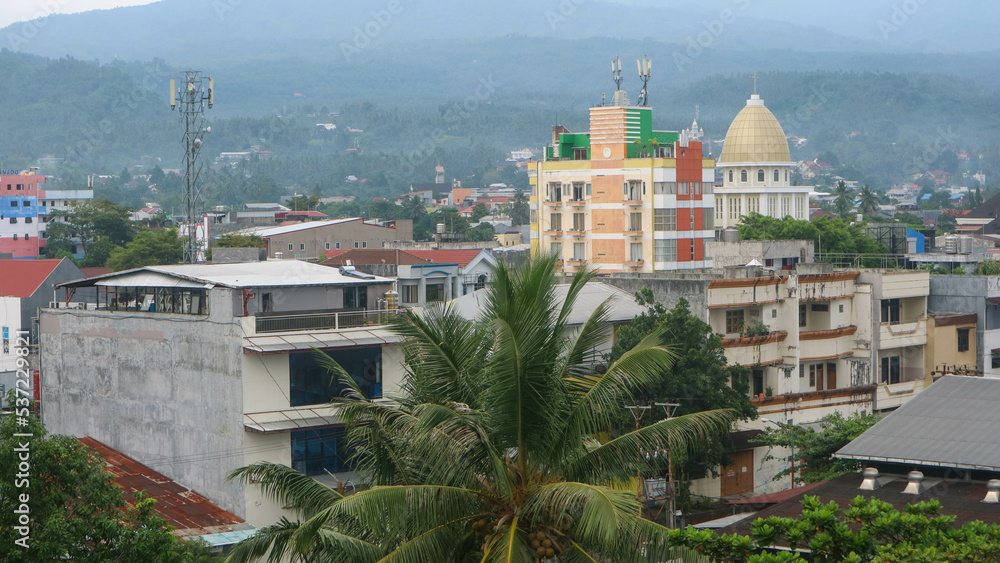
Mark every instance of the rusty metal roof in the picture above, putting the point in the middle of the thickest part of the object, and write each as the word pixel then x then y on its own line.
pixel 189 513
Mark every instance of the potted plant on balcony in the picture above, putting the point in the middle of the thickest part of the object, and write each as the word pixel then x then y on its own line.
pixel 755 330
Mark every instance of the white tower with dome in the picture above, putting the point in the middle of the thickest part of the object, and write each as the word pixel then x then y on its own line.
pixel 756 170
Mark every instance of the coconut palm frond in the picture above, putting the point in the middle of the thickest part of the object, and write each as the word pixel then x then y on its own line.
pixel 288 486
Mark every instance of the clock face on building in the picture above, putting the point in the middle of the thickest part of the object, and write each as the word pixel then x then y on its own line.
pixel 607 152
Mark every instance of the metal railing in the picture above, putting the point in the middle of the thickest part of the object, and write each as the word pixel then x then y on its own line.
pixel 325 321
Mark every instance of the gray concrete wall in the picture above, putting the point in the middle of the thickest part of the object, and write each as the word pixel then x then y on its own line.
pixel 162 388
pixel 237 255
pixel 742 252
pixel 669 291
pixel 64 272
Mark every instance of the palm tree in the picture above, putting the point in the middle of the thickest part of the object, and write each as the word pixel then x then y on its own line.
pixel 867 201
pixel 414 208
pixel 844 201
pixel 492 453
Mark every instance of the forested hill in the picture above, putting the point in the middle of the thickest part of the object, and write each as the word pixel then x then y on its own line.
pixel 103 118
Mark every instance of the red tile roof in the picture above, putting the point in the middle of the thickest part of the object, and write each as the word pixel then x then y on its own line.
pixel 22 278
pixel 188 512
pixel 460 257
pixel 94 271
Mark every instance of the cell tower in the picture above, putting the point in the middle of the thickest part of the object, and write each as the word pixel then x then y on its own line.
pixel 616 72
pixel 194 93
pixel 645 72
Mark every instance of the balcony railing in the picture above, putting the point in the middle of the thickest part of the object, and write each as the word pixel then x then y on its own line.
pixel 324 321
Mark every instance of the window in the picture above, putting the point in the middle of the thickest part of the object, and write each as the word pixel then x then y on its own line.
pixel 633 190
pixel 821 307
pixel 13 220
pixel 635 252
pixel 664 219
pixel 760 175
pixel 734 321
pixel 6 340
pixel 316 452
pixel 664 187
pixel 556 249
pixel 590 188
pixel 27 237
pixel 730 176
pixel 683 188
pixel 777 175
pixel 579 251
pixel 302 246
pixel 963 340
pixel 356 297
pixel 579 221
pixel 357 244
pixel 578 189
pixel 291 246
pixel 364 244
pixel 311 384
pixel 435 292
pixel 635 222
pixel 15 237
pixel 774 313
pixel 20 187
pixel 336 245
pixel 580 154
pixel 890 369
pixel 841 307
pixel 267 303
pixel 802 316
pixel 328 246
pixel 410 294
pixel 555 222
pixel 664 250
pixel 815 374
pixel 786 176
pixel 890 311
pixel 743 175
pixel 555 191
pixel 707 219
pixel 13 203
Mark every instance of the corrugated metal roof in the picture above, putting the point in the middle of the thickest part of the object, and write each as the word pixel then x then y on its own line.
pixel 321 340
pixel 303 226
pixel 953 423
pixel 149 279
pixel 623 305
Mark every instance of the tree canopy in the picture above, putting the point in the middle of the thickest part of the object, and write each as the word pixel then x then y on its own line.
pixel 99 226
pixel 148 248
pixel 492 451
pixel 831 235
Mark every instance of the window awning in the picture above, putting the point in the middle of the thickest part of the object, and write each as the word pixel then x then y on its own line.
pixel 276 344
pixel 290 419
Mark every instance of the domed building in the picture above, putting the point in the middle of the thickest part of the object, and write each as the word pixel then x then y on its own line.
pixel 756 170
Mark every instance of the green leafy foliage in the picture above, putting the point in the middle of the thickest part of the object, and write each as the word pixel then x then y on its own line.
pixel 148 248
pixel 830 235
pixel 99 227
pixel 231 240
pixel 988 268
pixel 491 453
pixel 76 510
pixel 867 531
pixel 479 211
pixel 813 450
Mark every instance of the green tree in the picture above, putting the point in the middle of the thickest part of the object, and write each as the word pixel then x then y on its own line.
pixel 77 512
pixel 303 203
pixel 415 209
pixel 492 453
pixel 829 234
pixel 866 531
pixel 147 249
pixel 699 380
pixel 988 268
pixel 479 211
pixel 481 232
pixel 867 201
pixel 519 211
pixel 384 209
pixel 98 221
pixel 844 202
pixel 813 450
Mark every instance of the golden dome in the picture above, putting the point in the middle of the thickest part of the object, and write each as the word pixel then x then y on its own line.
pixel 755 136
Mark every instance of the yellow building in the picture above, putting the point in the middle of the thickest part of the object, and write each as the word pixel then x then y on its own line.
pixel 757 169
pixel 623 197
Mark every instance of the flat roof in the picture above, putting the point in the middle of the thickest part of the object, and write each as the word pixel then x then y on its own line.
pixel 271 273
pixel 273 231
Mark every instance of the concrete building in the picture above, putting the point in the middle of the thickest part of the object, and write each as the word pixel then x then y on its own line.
pixel 979 295
pixel 26 208
pixel 756 168
pixel 623 197
pixel 951 345
pixel 818 341
pixel 779 255
pixel 195 370
pixel 308 241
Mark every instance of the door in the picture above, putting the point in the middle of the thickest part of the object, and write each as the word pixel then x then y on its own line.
pixel 831 376
pixel 738 477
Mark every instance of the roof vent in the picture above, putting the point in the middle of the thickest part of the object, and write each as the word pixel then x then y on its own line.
pixel 915 484
pixel 870 482
pixel 992 492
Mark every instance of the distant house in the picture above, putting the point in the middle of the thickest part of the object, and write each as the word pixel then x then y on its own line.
pixel 308 241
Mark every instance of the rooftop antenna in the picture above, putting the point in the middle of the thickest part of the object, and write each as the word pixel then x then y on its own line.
pixel 616 72
pixel 755 82
pixel 645 72
pixel 195 92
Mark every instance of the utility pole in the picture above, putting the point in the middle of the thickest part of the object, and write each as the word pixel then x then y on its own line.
pixel 670 409
pixel 192 96
pixel 637 411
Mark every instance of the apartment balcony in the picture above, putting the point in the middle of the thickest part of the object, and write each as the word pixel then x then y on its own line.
pixel 331 320
pixel 632 202
pixel 576 203
pixel 552 203
pixel 764 349
pixel 819 344
pixel 634 264
pixel 576 262
pixel 634 233
pixel 576 233
pixel 555 234
pixel 899 335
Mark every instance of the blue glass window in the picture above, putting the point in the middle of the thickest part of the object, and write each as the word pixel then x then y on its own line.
pixel 311 384
pixel 314 452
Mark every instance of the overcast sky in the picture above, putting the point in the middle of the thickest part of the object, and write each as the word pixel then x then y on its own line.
pixel 21 10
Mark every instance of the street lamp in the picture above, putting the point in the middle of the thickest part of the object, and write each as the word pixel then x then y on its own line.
pixel 791 441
